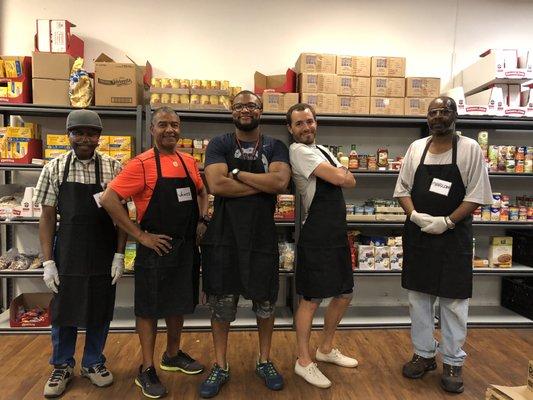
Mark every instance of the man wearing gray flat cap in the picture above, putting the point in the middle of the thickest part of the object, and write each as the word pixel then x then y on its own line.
pixel 84 258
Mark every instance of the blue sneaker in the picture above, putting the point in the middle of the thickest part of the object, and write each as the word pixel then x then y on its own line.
pixel 267 372
pixel 212 385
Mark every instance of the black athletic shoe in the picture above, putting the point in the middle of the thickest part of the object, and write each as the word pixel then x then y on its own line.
pixel 150 384
pixel 181 362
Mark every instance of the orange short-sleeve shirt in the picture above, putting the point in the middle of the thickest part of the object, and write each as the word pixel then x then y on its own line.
pixel 138 178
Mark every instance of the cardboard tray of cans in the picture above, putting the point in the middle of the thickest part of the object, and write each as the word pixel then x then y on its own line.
pixel 168 90
pixel 360 218
pixel 174 106
pixel 385 210
pixel 208 107
pixel 209 92
pixel 390 217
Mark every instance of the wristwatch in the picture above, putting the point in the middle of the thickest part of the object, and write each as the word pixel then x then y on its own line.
pixel 204 219
pixel 235 173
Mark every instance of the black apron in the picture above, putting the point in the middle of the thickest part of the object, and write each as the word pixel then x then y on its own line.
pixel 240 249
pixel 440 265
pixel 86 242
pixel 324 261
pixel 167 285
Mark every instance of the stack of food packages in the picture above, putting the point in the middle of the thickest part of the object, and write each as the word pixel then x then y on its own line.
pixel 500 253
pixel 13 260
pixel 118 147
pixel 20 144
pixel 284 208
pixel 31 316
pixel 507 158
pixel 375 252
pixel 375 209
pixel 286 255
pixel 354 161
pixel 196 147
pixel 195 94
pixel 502 209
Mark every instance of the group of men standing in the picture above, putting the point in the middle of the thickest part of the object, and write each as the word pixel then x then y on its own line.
pixel 245 170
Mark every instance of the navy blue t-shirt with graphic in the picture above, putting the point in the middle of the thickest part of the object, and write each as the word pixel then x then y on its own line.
pixel 222 146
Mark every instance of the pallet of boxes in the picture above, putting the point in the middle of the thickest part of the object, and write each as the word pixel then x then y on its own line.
pixel 495 392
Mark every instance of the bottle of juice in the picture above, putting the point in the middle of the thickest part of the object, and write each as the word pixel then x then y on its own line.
pixel 353 161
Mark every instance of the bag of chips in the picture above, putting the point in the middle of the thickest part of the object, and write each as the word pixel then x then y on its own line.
pixel 80 89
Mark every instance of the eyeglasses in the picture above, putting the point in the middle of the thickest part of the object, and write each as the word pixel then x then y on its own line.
pixel 249 106
pixel 91 134
pixel 446 112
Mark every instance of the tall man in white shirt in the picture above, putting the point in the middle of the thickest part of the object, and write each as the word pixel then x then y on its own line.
pixel 442 180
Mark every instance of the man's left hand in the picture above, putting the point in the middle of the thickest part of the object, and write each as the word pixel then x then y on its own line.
pixel 117 267
pixel 437 226
pixel 200 232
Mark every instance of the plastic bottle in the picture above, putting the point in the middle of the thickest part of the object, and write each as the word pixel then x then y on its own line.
pixel 353 161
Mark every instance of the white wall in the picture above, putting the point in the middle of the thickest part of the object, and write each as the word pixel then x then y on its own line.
pixel 230 39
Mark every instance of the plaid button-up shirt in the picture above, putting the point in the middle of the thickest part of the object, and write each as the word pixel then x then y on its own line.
pixel 47 189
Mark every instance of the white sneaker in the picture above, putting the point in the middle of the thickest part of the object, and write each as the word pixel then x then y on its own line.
pixel 312 374
pixel 336 357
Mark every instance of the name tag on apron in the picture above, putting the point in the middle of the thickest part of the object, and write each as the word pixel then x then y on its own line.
pixel 440 187
pixel 97 198
pixel 184 194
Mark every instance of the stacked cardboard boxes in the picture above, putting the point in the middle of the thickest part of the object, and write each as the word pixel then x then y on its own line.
pixel 387 86
pixel 419 92
pixel 277 91
pixel 51 72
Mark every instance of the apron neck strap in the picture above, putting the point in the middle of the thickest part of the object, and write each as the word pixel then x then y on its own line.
pixel 454 150
pixel 326 155
pixel 96 169
pixel 158 164
pixel 67 168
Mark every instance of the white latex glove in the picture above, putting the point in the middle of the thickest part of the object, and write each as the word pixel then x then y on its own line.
pixel 421 219
pixel 117 267
pixel 437 226
pixel 50 276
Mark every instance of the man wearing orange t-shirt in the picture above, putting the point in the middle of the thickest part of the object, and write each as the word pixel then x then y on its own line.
pixel 170 197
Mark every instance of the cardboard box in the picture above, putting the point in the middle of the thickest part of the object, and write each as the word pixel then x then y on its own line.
pixel 121 155
pixel 365 257
pixel 497 66
pixel 387 106
pixel 119 84
pixel 495 392
pixel 278 83
pixel 353 65
pixel 388 66
pixel 50 154
pixel 51 65
pixel 103 143
pixel 322 103
pixel 51 92
pixel 417 106
pixel 501 251
pixel 57 141
pixel 278 102
pixel 382 257
pixel 352 86
pixel 29 301
pixel 53 35
pixel 315 62
pixel 317 83
pixel 396 258
pixel 22 152
pixel 487 102
pixel 15 86
pixel 22 132
pixel 121 143
pixel 353 105
pixel 422 87
pixel 387 87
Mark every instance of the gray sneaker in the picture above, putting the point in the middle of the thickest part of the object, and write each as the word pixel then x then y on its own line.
pixel 150 384
pixel 98 374
pixel 181 362
pixel 58 381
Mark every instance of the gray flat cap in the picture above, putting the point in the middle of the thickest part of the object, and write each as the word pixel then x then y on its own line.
pixel 84 119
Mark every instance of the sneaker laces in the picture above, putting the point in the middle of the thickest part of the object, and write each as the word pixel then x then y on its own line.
pixel 100 369
pixel 186 356
pixel 336 353
pixel 314 370
pixel 152 376
pixel 268 368
pixel 215 374
pixel 58 374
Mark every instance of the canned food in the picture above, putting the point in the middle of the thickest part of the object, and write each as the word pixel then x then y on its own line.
pixel 185 83
pixel 165 98
pixel 509 165
pixel 204 99
pixel 520 167
pixel 511 152
pixel 205 142
pixel 235 90
pixel 184 99
pixel 350 209
pixel 215 85
pixel 369 210
pixel 502 152
pixel 363 161
pixel 485 213
pixel 195 99
pixel 496 199
pixel 372 163
pixel 528 166
pixel 505 200
pixel 359 210
pixel 225 101
pixel 165 83
pixel 495 213
pixel 214 99
pixel 196 84
pixel 529 213
pixel 493 158
pixel 476 215
pixel 174 98
pixel 206 84
pixel 522 213
pixel 224 85
pixel 504 214
pixel 513 213
pixel 175 83
pixel 155 98
pixel 156 82
pixel 521 153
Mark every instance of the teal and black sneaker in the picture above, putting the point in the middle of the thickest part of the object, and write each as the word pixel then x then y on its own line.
pixel 214 382
pixel 267 372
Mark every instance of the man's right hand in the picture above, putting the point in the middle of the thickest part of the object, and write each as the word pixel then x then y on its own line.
pixel 159 243
pixel 50 276
pixel 421 219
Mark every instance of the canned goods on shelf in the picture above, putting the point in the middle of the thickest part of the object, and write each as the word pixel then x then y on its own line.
pixel 165 98
pixel 175 83
pixel 155 82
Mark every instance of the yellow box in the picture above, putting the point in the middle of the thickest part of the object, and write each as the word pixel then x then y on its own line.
pixel 22 132
pixel 120 143
pixel 57 140
pixel 121 155
pixel 36 128
pixel 50 154
pixel 103 143
pixel 17 149
pixel 3 143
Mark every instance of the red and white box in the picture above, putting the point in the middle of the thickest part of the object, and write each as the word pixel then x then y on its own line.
pixel 53 36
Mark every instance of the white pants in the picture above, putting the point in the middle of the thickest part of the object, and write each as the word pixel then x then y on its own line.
pixel 453 319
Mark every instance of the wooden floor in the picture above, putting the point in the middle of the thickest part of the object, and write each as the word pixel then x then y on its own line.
pixel 496 356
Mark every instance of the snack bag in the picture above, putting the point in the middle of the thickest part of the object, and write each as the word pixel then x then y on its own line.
pixel 80 89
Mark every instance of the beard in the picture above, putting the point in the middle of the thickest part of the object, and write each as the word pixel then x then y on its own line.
pixel 250 126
